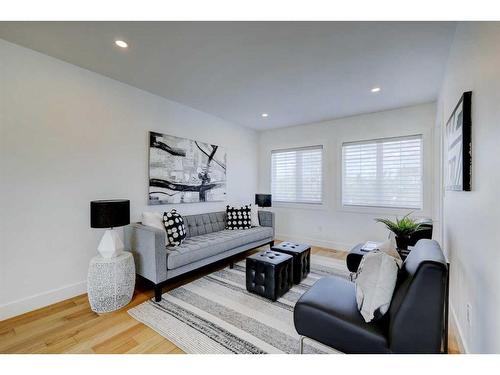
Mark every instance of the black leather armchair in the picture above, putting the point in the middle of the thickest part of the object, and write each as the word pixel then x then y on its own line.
pixel 415 322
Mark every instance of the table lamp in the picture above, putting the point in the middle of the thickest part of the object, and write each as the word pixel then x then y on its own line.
pixel 263 200
pixel 110 214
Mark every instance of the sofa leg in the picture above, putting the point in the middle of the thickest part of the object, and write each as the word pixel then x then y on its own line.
pixel 271 244
pixel 231 265
pixel 158 290
pixel 301 345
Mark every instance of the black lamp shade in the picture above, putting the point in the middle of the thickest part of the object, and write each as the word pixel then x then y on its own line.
pixel 263 200
pixel 109 213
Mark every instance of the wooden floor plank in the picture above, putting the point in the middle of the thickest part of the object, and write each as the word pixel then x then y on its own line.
pixel 70 326
pixel 45 321
pixel 57 347
pixel 155 344
pixel 89 339
pixel 37 314
pixel 47 333
pixel 6 332
pixel 110 345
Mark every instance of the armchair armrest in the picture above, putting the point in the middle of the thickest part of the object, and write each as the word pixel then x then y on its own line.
pixel 266 219
pixel 148 247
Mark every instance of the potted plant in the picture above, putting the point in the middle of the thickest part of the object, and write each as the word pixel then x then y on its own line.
pixel 402 228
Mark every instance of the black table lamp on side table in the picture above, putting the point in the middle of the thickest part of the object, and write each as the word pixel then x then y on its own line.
pixel 263 200
pixel 110 214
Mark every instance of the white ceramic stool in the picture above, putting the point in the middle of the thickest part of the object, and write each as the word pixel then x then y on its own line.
pixel 110 282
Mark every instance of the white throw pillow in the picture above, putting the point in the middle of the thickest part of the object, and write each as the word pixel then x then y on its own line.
pixel 375 282
pixel 389 247
pixel 155 220
pixel 255 216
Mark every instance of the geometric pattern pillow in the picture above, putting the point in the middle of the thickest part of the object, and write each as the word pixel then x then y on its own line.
pixel 239 218
pixel 174 225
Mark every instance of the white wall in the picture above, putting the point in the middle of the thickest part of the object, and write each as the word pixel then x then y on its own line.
pixel 331 225
pixel 69 136
pixel 472 219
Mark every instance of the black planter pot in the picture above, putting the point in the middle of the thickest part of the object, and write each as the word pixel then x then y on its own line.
pixel 402 242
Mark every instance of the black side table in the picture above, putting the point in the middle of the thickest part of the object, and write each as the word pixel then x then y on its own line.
pixel 403 253
pixel 356 253
pixel 301 258
pixel 354 257
pixel 269 274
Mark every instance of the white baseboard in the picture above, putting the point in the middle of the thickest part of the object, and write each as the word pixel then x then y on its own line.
pixel 315 242
pixel 462 345
pixel 37 301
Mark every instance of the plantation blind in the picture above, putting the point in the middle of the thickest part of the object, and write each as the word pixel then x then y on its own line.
pixel 296 175
pixel 383 173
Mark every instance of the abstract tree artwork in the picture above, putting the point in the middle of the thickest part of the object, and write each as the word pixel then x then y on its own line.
pixel 458 146
pixel 185 171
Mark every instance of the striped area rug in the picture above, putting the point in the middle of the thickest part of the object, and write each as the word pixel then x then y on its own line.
pixel 216 314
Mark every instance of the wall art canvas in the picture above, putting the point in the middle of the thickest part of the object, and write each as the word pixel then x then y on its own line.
pixel 458 146
pixel 185 171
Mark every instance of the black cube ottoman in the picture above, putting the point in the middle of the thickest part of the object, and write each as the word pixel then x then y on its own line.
pixel 301 258
pixel 269 274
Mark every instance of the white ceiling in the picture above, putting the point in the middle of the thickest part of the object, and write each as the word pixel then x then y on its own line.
pixel 298 72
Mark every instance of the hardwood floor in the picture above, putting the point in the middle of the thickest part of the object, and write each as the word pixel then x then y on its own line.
pixel 72 327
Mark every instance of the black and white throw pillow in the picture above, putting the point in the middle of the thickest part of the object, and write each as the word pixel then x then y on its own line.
pixel 239 218
pixel 174 225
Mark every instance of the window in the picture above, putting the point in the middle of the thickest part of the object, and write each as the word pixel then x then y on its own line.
pixel 296 175
pixel 383 173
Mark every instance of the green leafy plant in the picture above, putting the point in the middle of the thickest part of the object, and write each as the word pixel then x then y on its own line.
pixel 401 227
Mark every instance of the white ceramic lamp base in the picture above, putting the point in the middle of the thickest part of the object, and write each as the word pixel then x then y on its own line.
pixel 111 245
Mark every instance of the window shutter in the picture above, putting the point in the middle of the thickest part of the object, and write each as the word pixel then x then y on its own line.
pixel 383 173
pixel 297 175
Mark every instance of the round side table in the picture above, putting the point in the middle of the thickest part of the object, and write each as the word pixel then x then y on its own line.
pixel 110 282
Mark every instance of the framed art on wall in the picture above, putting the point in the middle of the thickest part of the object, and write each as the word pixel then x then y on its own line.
pixel 458 146
pixel 185 171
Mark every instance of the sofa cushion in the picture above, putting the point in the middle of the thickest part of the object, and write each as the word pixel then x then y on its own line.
pixel 375 283
pixel 238 218
pixel 329 313
pixel 254 214
pixel 199 224
pixel 155 220
pixel 174 226
pixel 199 247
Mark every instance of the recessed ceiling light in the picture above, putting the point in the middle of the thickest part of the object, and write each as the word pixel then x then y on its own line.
pixel 265 115
pixel 375 89
pixel 121 43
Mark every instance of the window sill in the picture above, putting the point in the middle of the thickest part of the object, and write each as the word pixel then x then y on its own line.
pixel 371 210
pixel 306 206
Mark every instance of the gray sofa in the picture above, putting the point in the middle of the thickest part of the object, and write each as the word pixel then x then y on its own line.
pixel 207 241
